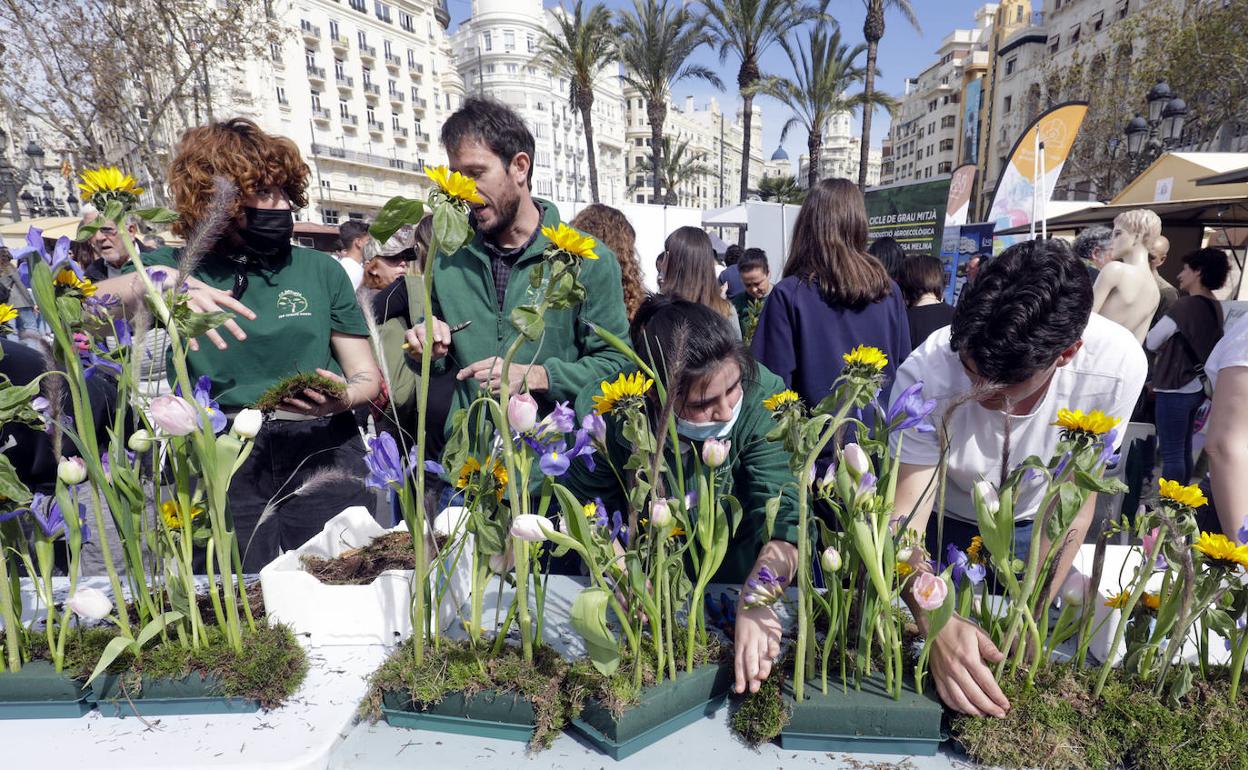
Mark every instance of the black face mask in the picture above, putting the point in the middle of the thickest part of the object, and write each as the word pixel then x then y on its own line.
pixel 268 233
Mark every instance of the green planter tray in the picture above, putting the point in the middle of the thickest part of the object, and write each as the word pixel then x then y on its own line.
pixel 486 714
pixel 38 691
pixel 867 720
pixel 192 694
pixel 664 708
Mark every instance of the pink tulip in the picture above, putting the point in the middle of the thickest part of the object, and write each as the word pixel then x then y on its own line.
pixel 929 591
pixel 715 452
pixel 522 412
pixel 174 415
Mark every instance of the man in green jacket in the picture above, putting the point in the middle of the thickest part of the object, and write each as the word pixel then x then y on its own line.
pixel 482 283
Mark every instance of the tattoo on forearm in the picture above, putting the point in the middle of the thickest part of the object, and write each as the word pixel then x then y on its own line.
pixel 356 379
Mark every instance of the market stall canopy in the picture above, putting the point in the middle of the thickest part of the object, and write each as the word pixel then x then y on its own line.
pixel 1230 177
pixel 14 233
pixel 735 215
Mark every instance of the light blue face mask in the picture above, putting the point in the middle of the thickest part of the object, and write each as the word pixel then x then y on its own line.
pixel 701 431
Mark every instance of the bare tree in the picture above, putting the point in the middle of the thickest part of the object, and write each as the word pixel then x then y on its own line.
pixel 117 81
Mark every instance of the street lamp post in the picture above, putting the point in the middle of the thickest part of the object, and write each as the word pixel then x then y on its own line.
pixel 1148 137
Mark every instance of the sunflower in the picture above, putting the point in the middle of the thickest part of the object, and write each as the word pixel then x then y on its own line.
pixel 470 467
pixel 625 390
pixel 676 532
pixel 455 185
pixel 108 182
pixel 1191 496
pixel 1151 601
pixel 866 357
pixel 1095 423
pixel 1118 600
pixel 571 240
pixel 1222 550
pixel 171 514
pixel 904 569
pixel 7 313
pixel 773 403
pixel 69 279
pixel 499 471
pixel 974 551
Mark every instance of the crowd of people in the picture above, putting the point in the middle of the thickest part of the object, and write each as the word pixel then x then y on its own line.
pixel 1040 328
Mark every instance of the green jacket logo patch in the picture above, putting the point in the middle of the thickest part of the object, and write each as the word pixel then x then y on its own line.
pixel 292 304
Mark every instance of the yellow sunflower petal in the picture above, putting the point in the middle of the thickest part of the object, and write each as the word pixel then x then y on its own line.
pixel 454 184
pixel 1095 422
pixel 1223 549
pixel 571 240
pixel 865 355
pixel 772 403
pixel 7 313
pixel 1191 496
pixel 634 385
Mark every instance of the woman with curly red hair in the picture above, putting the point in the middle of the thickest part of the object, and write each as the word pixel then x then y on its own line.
pixel 610 226
pixel 235 188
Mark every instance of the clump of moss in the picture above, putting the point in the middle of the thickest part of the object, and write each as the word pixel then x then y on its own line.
pixel 1057 723
pixel 761 716
pixel 269 669
pixel 294 385
pixel 459 667
pixel 619 691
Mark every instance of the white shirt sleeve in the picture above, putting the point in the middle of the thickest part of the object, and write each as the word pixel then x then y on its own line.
pixel 1134 372
pixel 917 448
pixel 355 272
pixel 1164 330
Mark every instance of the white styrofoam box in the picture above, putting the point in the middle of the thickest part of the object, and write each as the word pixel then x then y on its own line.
pixel 376 613
pixel 1118 573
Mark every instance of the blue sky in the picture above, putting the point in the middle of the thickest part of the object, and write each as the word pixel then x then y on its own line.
pixel 903 53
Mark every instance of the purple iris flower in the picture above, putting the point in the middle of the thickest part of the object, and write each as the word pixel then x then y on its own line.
pixel 216 418
pixel 561 420
pixel 435 467
pixel 555 459
pixel 107 464
pixel 1108 455
pixel 691 500
pixel 40 404
pixel 963 568
pixel 48 516
pixel 910 410
pixel 600 513
pixel 584 448
pixel 867 483
pixel 1242 535
pixel 595 426
pixel 1061 465
pixel 767 579
pixel 58 260
pixel 123 332
pixel 93 364
pixel 385 466
pixel 619 528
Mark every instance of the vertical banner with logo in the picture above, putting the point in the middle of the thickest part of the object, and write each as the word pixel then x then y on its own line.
pixel 960 195
pixel 914 214
pixel 1016 187
pixel 970 120
pixel 973 241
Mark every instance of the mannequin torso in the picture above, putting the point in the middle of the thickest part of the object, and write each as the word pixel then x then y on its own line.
pixel 1125 291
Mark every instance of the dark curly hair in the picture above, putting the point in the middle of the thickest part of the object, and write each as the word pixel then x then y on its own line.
pixel 238 150
pixel 1213 266
pixel 610 226
pixel 1027 306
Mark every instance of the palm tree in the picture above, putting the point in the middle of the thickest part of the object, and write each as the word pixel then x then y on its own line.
pixel 578 49
pixel 655 41
pixel 781 189
pixel 872 32
pixel 680 164
pixel 824 70
pixel 747 28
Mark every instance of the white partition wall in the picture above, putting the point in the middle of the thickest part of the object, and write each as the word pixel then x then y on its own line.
pixel 652 224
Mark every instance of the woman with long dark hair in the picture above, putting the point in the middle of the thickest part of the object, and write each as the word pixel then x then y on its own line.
pixel 687 271
pixel 834 297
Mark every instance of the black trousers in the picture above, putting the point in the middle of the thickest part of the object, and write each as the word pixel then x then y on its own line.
pixel 322 458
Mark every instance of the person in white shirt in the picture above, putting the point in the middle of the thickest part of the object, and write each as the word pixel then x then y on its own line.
pixel 1023 344
pixel 1227 442
pixel 355 243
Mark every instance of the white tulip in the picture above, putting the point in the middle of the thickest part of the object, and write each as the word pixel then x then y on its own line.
pixel 530 527
pixel 987 493
pixel 857 460
pixel 90 604
pixel 71 471
pixel 1074 589
pixel 140 440
pixel 660 513
pixel 831 559
pixel 247 423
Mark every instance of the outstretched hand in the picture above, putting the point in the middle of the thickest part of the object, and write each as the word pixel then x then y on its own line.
pixel 961 653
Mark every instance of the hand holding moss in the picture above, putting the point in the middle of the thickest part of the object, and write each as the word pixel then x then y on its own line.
pixel 318 394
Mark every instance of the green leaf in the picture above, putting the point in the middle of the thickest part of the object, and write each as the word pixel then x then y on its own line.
pixel 528 321
pixel 769 522
pixel 157 216
pixel 491 536
pixel 195 324
pixel 397 212
pixel 155 626
pixel 11 487
pixel 589 618
pixel 115 647
pixel 450 228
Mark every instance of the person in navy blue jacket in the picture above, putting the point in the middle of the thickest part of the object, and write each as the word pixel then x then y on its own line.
pixel 834 296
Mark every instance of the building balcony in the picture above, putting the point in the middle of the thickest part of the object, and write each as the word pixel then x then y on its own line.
pixel 420 104
pixel 397 97
pixel 320 114
pixel 417 70
pixel 366 159
pixel 278 60
pixel 376 127
pixel 393 62
pixel 340 43
pixel 316 73
pixel 422 137
pixel 368 52
pixel 345 82
pixel 401 133
pixel 372 90
pixel 310 31
pixel 349 120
